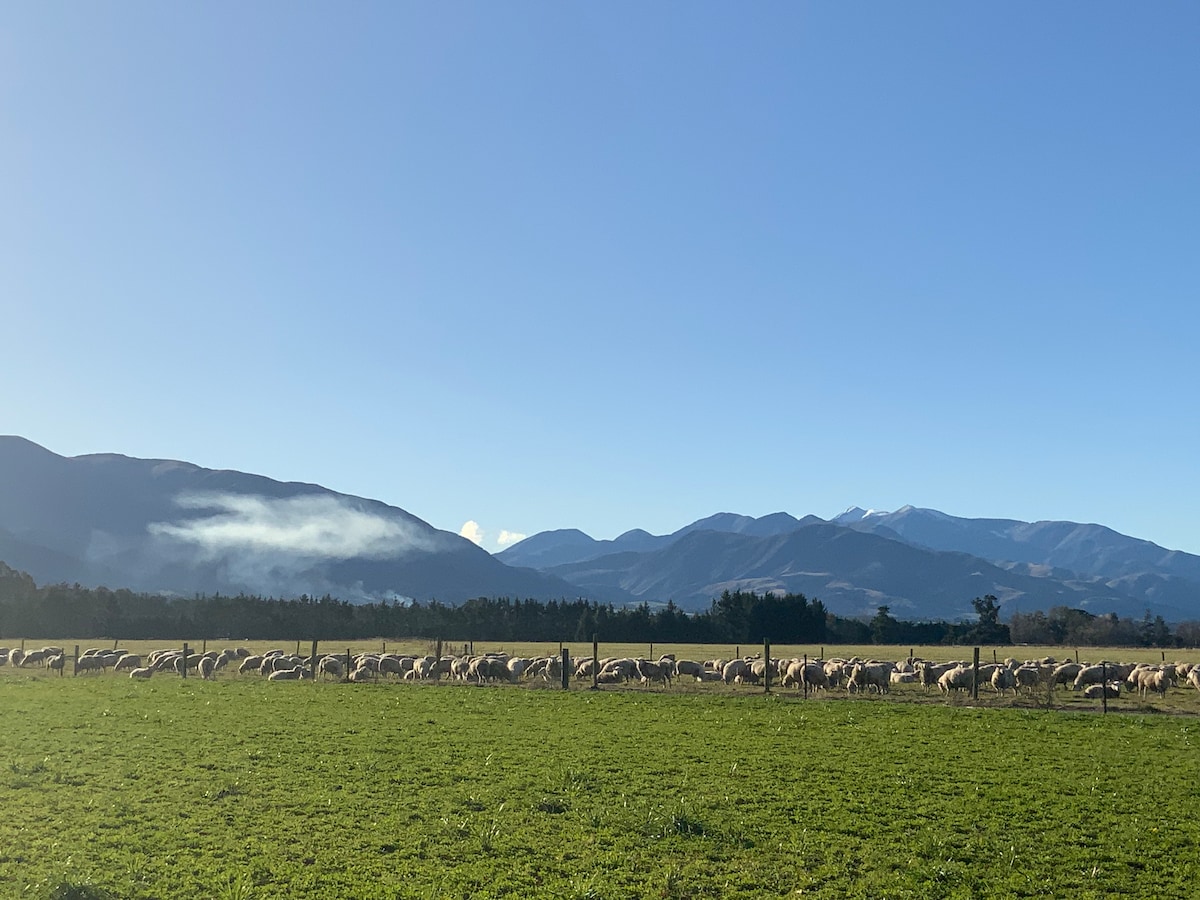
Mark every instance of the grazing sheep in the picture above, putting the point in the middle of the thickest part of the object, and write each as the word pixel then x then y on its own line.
pixel 389 664
pixel 1096 691
pixel 798 674
pixel 87 664
pixel 1027 677
pixel 331 666
pixel 250 664
pixel 56 662
pixel 128 661
pixel 1157 679
pixel 15 657
pixel 207 667
pixel 734 670
pixel 144 672
pixel 688 667
pixel 959 678
pixel 1066 673
pixel 870 676
pixel 931 673
pixel 650 672
pixel 1004 679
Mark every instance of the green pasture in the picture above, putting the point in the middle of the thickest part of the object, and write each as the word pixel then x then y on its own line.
pixel 240 788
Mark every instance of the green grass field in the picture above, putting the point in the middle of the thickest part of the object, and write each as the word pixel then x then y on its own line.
pixel 238 788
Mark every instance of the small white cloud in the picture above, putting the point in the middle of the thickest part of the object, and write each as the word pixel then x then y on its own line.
pixel 507 538
pixel 472 532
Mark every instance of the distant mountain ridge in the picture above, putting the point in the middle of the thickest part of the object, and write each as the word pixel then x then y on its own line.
pixel 173 527
pixel 1028 565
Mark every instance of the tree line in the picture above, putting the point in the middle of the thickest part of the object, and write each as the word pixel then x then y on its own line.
pixel 736 617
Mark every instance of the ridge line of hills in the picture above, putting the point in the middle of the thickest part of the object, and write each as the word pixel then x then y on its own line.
pixel 173 527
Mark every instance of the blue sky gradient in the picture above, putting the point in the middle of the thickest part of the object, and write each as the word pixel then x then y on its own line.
pixel 539 265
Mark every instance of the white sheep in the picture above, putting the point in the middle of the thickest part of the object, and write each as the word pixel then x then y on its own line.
pixel 207 667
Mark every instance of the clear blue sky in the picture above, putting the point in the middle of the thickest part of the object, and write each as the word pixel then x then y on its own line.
pixel 605 266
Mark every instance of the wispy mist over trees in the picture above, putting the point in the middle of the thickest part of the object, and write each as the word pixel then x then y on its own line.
pixel 736 617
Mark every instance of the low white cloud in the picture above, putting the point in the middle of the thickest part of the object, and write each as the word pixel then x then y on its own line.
pixel 313 526
pixel 508 538
pixel 472 532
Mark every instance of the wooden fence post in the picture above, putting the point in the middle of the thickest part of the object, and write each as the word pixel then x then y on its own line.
pixel 805 679
pixel 76 669
pixel 1104 686
pixel 595 662
pixel 347 662
pixel 312 665
pixel 975 677
pixel 766 666
pixel 566 670
pixel 186 654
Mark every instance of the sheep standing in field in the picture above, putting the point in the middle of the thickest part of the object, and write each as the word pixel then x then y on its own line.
pixel 1066 674
pixel 873 676
pixel 929 673
pixel 798 674
pixel 735 670
pixel 650 672
pixel 16 656
pixel 688 667
pixel 1027 677
pixel 34 658
pixel 1004 679
pixel 1157 679
pixel 960 678
pixel 389 664
pixel 56 662
pixel 331 667
pixel 127 662
pixel 207 667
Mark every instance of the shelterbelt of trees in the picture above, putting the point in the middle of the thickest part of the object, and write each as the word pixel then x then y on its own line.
pixel 62 610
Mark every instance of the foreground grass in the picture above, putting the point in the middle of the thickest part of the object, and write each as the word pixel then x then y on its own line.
pixel 243 789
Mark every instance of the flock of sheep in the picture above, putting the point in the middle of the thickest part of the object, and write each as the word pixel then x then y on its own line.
pixel 852 675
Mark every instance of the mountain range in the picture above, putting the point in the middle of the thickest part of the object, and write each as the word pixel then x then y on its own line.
pixel 921 563
pixel 173 527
